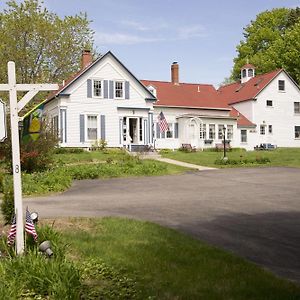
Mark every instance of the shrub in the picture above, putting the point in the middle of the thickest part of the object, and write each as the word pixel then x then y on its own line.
pixel 165 151
pixel 242 161
pixel 7 205
pixel 99 145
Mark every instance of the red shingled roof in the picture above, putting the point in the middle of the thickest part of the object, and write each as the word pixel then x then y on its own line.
pixel 186 95
pixel 241 119
pixel 239 92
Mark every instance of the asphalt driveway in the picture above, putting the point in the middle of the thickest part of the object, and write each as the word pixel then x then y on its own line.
pixel 253 212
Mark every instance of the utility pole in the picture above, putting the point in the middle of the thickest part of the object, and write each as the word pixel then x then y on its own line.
pixel 15 107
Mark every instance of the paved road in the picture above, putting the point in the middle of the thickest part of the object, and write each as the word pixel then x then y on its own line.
pixel 253 212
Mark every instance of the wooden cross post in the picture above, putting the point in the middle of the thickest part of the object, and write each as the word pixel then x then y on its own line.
pixel 15 107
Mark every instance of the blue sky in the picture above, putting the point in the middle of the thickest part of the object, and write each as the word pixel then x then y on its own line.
pixel 147 36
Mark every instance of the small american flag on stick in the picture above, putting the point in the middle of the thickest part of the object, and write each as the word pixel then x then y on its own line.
pixel 13 231
pixel 162 122
pixel 29 226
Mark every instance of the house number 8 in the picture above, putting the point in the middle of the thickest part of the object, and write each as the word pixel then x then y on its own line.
pixel 17 169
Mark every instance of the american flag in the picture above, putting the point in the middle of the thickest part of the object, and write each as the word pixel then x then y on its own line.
pixel 13 231
pixel 29 226
pixel 162 122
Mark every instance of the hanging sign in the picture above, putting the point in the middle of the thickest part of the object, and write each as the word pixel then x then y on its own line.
pixel 3 130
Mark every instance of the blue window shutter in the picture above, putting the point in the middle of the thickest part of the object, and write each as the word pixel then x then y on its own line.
pixel 176 130
pixel 89 88
pixel 105 95
pixel 157 131
pixel 111 90
pixel 102 124
pixel 126 89
pixel 81 128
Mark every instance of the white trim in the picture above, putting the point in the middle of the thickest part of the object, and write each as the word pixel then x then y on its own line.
pixel 86 115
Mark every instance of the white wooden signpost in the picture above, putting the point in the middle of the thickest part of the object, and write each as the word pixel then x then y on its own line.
pixel 3 129
pixel 15 107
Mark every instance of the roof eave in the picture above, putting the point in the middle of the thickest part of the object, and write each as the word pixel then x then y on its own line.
pixel 192 107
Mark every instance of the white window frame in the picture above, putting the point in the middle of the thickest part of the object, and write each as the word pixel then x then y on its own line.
pixel 102 87
pixel 246 135
pixel 86 127
pixel 220 131
pixel 280 90
pixel 171 130
pixel 297 132
pixel 230 132
pixel 297 111
pixel 213 131
pixel 123 89
pixel 262 130
pixel 202 133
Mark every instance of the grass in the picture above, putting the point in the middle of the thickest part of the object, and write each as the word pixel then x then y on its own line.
pixel 90 165
pixel 115 258
pixel 289 157
pixel 165 264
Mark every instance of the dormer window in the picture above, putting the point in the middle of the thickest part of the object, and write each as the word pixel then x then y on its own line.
pixel 152 90
pixel 250 73
pixel 244 73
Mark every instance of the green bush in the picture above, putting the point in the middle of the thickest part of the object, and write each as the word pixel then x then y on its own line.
pixel 98 145
pixel 165 151
pixel 242 161
pixel 7 205
pixel 1 181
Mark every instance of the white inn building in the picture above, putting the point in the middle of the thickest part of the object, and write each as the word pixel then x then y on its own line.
pixel 106 101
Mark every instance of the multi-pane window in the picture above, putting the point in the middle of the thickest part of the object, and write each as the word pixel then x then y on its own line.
pixel 244 136
pixel 220 132
pixel 55 125
pixel 119 89
pixel 92 127
pixel 250 73
pixel 270 127
pixel 212 131
pixel 141 129
pixel 170 131
pixel 229 132
pixel 297 132
pixel 269 103
pixel 281 85
pixel 297 107
pixel 262 129
pixel 203 131
pixel 97 88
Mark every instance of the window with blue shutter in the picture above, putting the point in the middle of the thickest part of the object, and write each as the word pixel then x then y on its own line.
pixel 89 88
pixel 126 89
pixel 102 127
pixel 81 128
pixel 105 95
pixel 111 90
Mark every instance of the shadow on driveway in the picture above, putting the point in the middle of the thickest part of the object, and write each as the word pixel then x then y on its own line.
pixel 271 240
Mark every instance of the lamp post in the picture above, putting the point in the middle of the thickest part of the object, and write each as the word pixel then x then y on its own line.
pixel 224 142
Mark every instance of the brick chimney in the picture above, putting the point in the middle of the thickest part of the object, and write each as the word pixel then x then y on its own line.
pixel 175 73
pixel 86 58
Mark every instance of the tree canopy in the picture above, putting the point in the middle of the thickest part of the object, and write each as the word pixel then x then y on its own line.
pixel 45 47
pixel 271 41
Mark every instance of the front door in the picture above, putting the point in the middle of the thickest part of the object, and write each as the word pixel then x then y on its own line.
pixel 133 130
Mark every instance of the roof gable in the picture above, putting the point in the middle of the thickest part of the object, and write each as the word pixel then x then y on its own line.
pixel 79 74
pixel 239 92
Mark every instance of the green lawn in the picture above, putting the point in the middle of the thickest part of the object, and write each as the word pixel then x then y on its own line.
pixel 280 157
pixel 165 264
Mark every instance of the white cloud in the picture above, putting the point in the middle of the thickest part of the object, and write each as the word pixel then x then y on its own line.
pixel 193 31
pixel 104 38
pixel 159 25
